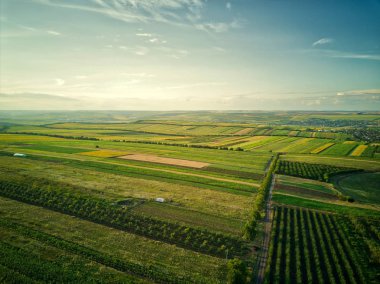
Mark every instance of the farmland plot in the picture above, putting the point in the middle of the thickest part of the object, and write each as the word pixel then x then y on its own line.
pixel 310 247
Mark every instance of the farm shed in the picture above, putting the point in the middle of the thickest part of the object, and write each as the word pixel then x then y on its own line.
pixel 19 155
pixel 160 199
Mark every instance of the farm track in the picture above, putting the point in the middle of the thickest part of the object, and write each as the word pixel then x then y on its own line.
pixel 159 170
pixel 267 234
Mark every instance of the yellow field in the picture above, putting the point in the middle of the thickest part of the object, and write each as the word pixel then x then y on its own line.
pixel 243 131
pixel 321 148
pixel 349 142
pixel 293 133
pixel 294 144
pixel 104 153
pixel 358 150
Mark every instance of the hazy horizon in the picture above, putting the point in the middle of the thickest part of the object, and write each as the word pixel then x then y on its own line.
pixel 189 55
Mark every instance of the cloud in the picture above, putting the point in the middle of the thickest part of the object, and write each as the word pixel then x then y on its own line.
pixel 219 27
pixel 175 12
pixel 59 82
pixel 144 35
pixel 55 33
pixel 323 41
pixel 228 6
pixel 349 55
pixel 370 92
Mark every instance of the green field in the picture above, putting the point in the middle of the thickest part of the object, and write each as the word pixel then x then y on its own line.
pixel 183 198
pixel 362 187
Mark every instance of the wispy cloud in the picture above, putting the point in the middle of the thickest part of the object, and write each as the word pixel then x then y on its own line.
pixel 175 12
pixel 144 34
pixel 323 41
pixel 55 33
pixel 228 5
pixel 371 92
pixel 219 27
pixel 355 55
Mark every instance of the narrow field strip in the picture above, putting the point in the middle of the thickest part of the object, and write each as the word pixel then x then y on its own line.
pixel 358 151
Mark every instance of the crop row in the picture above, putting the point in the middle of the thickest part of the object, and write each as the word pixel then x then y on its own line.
pixel 157 274
pixel 310 171
pixel 108 214
pixel 370 233
pixel 310 247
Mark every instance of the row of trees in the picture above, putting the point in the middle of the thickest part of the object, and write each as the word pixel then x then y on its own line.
pixel 55 135
pixel 155 273
pixel 258 205
pixel 182 145
pixel 311 171
pixel 103 212
pixel 310 247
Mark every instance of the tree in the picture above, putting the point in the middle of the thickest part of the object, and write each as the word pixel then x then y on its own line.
pixel 236 272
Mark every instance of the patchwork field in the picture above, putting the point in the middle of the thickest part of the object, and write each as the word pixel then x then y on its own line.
pixel 176 199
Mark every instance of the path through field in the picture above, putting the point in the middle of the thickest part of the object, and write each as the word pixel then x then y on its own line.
pixel 267 234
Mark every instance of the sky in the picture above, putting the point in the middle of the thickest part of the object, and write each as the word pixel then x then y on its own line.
pixel 190 54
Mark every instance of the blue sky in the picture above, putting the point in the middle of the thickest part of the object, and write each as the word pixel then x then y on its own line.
pixel 190 54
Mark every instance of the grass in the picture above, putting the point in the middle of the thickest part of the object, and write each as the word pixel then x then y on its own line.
pixel 104 153
pixel 339 150
pixel 119 186
pixel 350 162
pixel 323 206
pixel 307 184
pixel 56 149
pixel 363 187
pixel 111 241
pixel 190 217
pixel 40 256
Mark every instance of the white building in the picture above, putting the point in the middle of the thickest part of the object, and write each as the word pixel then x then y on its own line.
pixel 19 155
pixel 160 199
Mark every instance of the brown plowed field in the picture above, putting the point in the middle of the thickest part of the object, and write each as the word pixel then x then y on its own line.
pixel 163 160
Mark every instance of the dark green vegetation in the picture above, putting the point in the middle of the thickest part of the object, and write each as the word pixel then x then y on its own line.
pixel 311 247
pixel 311 171
pixel 73 211
pixel 105 213
pixel 260 201
pixel 364 187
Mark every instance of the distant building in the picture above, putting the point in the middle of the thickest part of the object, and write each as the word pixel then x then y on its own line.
pixel 160 199
pixel 19 155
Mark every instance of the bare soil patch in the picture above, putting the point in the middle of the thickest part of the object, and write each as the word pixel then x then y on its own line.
pixel 163 160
